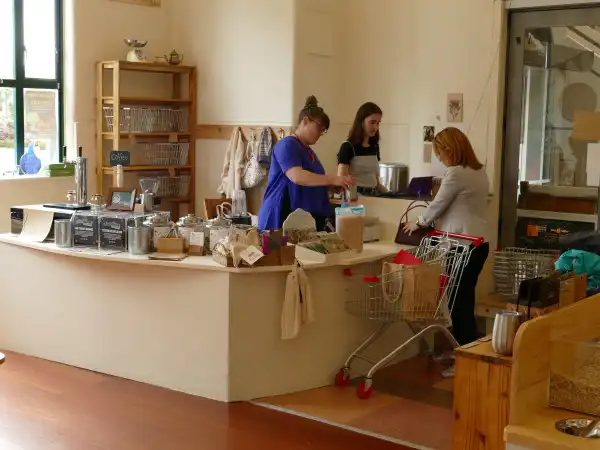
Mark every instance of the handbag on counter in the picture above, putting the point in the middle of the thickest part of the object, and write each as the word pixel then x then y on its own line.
pixel 417 235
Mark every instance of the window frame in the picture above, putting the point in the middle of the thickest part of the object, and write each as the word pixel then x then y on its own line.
pixel 21 82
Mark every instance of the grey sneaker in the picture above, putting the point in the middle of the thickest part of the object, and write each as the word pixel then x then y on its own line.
pixel 449 372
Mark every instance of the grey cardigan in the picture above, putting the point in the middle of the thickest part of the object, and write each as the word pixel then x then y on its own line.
pixel 460 205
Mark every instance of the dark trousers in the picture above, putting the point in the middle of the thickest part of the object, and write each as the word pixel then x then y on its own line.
pixel 464 326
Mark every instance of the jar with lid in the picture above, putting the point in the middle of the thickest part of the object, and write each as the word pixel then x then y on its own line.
pixel 215 230
pixel 160 225
pixel 188 225
pixel 70 196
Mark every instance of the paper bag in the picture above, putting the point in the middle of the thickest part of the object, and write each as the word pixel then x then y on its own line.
pixel 418 286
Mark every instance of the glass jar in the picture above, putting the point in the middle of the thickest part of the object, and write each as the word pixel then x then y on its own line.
pixel 70 196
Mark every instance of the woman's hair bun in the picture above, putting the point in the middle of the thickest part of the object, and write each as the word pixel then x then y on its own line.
pixel 311 101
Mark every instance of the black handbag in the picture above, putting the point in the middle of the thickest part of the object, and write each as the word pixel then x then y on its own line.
pixel 417 236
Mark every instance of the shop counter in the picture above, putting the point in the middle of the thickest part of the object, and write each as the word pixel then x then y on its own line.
pixel 192 326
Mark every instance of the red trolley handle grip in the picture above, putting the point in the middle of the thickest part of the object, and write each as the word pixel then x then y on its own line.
pixel 476 241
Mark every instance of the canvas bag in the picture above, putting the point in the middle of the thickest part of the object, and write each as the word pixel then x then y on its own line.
pixel 417 289
pixel 253 172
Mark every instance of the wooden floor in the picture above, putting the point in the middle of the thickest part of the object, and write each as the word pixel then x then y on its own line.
pixel 48 406
pixel 411 403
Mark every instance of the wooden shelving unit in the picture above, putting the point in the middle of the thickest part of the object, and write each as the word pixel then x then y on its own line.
pixel 182 97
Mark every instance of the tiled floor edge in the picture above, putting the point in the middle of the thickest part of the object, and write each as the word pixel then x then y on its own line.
pixel 342 426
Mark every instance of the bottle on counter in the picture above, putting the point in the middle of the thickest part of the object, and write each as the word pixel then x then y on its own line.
pixel 118 176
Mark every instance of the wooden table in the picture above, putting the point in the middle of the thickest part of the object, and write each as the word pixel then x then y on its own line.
pixel 481 397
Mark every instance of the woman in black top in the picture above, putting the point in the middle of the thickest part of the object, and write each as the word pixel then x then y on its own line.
pixel 359 155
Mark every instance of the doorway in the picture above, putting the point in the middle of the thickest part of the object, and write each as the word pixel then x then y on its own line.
pixel 551 157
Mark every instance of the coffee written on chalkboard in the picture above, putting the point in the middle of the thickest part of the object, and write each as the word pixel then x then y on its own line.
pixel 120 157
pixel 113 233
pixel 85 230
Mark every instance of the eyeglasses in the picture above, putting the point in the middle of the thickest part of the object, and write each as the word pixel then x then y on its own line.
pixel 320 125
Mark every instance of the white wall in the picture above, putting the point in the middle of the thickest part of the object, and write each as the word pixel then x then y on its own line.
pixel 316 62
pixel 27 191
pixel 244 53
pixel 95 30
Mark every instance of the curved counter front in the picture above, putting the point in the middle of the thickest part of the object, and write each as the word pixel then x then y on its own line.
pixel 211 331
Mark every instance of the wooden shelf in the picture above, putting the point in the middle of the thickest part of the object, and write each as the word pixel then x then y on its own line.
pixel 145 101
pixel 109 134
pixel 109 169
pixel 181 93
pixel 149 67
pixel 223 132
pixel 186 199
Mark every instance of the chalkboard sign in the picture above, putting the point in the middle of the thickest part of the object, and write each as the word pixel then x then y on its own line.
pixel 112 233
pixel 85 230
pixel 122 157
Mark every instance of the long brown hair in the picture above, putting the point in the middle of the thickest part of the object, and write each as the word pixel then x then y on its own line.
pixel 357 132
pixel 313 111
pixel 455 145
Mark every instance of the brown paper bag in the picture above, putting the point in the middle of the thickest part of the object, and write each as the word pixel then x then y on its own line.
pixel 419 289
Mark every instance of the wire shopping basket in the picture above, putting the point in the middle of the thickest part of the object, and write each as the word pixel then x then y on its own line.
pixel 513 265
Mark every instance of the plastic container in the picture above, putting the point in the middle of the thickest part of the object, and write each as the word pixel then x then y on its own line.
pixel 350 225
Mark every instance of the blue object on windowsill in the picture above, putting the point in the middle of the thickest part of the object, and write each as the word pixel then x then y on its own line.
pixel 30 163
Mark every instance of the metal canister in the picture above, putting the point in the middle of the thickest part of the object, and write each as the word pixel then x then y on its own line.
pixel 160 226
pixel 139 237
pixel 63 237
pixel 187 225
pixel 506 325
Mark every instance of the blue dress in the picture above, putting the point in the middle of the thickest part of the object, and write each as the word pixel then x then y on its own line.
pixel 282 196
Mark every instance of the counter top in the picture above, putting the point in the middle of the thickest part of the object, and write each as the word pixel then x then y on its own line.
pixel 539 432
pixel 482 350
pixel 371 252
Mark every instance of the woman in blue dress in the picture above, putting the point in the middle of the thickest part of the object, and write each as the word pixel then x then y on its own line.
pixel 297 178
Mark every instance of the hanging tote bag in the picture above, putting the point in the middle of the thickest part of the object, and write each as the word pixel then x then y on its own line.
pixel 253 172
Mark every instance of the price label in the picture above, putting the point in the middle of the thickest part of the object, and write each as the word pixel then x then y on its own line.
pixel 197 238
pixel 251 255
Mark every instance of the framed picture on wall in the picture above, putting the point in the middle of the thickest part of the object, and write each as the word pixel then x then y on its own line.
pixel 156 3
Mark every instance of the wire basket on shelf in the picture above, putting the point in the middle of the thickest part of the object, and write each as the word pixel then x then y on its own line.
pixel 173 186
pixel 165 154
pixel 147 120
pixel 513 265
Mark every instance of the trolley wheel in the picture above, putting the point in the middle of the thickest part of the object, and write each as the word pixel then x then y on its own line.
pixel 364 390
pixel 342 378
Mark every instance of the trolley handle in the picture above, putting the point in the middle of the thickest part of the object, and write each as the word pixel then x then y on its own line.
pixel 476 241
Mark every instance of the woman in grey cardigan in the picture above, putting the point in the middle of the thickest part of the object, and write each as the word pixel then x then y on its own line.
pixel 460 206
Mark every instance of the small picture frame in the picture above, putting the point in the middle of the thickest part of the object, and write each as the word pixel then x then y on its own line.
pixel 428 133
pixel 121 199
pixel 454 106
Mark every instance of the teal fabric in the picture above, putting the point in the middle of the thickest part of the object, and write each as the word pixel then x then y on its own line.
pixel 581 262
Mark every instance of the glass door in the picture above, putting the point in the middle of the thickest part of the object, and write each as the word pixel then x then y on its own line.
pixel 551 158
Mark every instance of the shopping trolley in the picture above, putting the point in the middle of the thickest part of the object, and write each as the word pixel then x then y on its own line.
pixel 513 265
pixel 420 295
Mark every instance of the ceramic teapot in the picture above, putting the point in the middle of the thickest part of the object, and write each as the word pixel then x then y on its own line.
pixel 174 58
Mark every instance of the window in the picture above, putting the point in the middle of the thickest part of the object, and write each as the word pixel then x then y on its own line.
pixel 30 81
